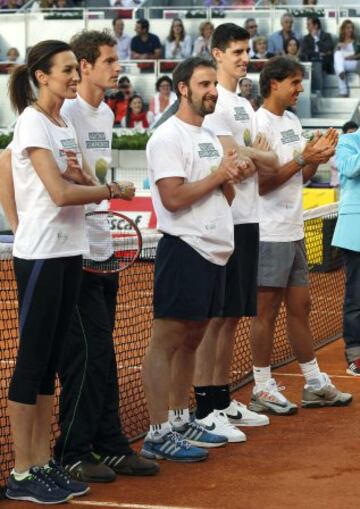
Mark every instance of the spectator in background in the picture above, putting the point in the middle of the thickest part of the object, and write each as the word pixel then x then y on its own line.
pixel 178 45
pixel 164 97
pixel 123 40
pixel 260 48
pixel 346 56
pixel 246 88
pixel 277 40
pixel 216 3
pixel 317 47
pixel 255 101
pixel 202 45
pixel 12 4
pixel 118 99
pixel 136 115
pixel 292 48
pixel 145 45
pixel 13 56
pixel 251 26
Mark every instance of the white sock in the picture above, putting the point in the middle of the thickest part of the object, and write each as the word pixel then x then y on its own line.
pixel 311 370
pixel 261 376
pixel 179 417
pixel 159 430
pixel 18 476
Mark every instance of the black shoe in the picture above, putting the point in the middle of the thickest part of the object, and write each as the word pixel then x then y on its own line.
pixel 130 464
pixel 89 469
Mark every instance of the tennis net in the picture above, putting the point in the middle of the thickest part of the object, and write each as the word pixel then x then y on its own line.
pixel 134 317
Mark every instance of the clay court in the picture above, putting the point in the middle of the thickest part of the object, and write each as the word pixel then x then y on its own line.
pixel 306 461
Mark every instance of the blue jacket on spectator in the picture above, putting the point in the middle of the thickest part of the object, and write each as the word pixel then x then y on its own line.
pixel 276 42
pixel 347 231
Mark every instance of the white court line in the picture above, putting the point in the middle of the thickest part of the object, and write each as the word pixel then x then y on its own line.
pixel 126 506
pixel 299 374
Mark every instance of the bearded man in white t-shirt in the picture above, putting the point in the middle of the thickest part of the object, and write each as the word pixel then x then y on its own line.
pixel 191 187
pixel 231 122
pixel 283 270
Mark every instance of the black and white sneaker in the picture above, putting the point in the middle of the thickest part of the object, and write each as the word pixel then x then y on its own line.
pixel 354 368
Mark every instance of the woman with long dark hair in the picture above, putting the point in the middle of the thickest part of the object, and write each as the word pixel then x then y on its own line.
pixel 136 115
pixel 48 246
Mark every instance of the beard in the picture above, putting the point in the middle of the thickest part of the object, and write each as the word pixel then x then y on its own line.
pixel 200 106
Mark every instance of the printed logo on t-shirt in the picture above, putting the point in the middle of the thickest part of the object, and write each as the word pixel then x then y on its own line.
pixel 289 136
pixel 68 144
pixel 240 114
pixel 247 137
pixel 97 140
pixel 208 150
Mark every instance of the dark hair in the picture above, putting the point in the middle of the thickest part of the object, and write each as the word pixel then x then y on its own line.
pixel 241 81
pixel 292 39
pixel 40 57
pixel 86 44
pixel 226 33
pixel 128 111
pixel 161 80
pixel 171 36
pixel 115 20
pixel 349 125
pixel 123 79
pixel 278 68
pixel 144 23
pixel 186 68
pixel 316 21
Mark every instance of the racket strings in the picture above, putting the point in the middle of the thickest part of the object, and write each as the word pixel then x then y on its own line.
pixel 115 242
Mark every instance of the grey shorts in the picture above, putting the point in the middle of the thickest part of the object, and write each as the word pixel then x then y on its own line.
pixel 283 264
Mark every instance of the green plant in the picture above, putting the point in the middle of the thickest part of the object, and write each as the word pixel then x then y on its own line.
pixel 5 139
pixel 136 141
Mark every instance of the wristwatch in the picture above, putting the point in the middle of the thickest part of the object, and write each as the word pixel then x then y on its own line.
pixel 299 159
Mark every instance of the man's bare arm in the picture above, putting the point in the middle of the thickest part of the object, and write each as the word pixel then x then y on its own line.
pixel 259 156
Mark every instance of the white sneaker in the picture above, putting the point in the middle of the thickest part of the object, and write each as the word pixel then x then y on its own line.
pixel 217 422
pixel 271 400
pixel 239 415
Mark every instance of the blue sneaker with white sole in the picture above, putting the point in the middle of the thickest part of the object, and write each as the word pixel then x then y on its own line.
pixel 173 447
pixel 64 481
pixel 36 487
pixel 197 435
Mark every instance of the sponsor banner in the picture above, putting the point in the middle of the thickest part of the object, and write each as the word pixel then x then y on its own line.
pixel 140 210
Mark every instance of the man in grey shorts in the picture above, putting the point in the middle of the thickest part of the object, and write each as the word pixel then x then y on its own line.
pixel 283 270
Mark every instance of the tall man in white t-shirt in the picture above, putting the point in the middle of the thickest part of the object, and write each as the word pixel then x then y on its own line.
pixel 283 271
pixel 231 122
pixel 191 187
pixel 91 444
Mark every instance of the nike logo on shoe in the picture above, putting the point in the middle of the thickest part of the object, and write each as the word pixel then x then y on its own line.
pixel 210 428
pixel 238 415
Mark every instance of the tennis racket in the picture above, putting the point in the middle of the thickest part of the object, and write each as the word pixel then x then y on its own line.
pixel 115 242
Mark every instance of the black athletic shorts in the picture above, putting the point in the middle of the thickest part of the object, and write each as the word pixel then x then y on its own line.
pixel 186 285
pixel 241 272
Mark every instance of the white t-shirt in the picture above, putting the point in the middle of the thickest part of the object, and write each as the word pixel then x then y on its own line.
pixel 281 211
pixel 94 131
pixel 178 149
pixel 232 117
pixel 44 230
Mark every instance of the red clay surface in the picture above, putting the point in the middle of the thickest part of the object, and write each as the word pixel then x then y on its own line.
pixel 306 461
